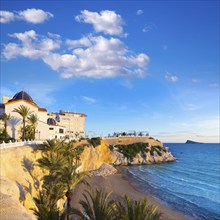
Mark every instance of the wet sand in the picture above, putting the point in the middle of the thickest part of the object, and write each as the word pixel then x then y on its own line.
pixel 120 185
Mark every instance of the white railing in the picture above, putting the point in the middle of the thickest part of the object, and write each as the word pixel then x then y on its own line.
pixel 19 144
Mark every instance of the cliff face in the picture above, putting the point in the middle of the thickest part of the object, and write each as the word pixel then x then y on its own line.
pixel 20 180
pixel 93 158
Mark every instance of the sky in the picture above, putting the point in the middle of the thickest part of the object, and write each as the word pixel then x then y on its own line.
pixel 129 65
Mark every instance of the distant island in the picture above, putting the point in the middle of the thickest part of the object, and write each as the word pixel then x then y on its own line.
pixel 192 142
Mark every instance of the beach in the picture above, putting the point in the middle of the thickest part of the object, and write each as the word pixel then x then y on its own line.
pixel 120 184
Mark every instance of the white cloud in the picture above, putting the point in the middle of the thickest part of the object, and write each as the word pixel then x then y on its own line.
pixel 34 15
pixel 32 46
pixel 6 16
pixel 83 42
pixel 31 15
pixel 139 12
pixel 106 21
pixel 89 100
pixel 91 56
pixel 171 77
pixel 99 57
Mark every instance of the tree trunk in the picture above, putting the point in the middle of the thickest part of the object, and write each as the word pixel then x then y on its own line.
pixel 5 132
pixel 69 195
pixel 23 131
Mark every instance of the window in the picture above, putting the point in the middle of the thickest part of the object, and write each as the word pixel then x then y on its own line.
pixel 50 128
pixel 61 131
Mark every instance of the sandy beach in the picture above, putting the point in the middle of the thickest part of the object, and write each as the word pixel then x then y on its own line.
pixel 120 184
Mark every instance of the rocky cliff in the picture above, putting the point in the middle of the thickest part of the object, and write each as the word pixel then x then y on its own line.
pixel 108 152
pixel 19 182
pixel 20 179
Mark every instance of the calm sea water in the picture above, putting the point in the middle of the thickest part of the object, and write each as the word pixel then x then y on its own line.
pixel 191 185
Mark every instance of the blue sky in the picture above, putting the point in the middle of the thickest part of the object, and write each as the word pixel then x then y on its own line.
pixel 129 65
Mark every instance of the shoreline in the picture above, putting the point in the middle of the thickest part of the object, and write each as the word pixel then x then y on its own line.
pixel 162 206
pixel 120 184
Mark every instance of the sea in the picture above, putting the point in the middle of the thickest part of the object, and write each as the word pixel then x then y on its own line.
pixel 191 185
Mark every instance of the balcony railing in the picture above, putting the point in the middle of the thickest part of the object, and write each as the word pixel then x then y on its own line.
pixel 19 144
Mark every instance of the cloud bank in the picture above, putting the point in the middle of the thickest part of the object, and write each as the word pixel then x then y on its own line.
pixel 33 15
pixel 106 21
pixel 93 56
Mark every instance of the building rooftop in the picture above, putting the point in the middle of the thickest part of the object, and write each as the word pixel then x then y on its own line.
pixel 51 121
pixel 22 95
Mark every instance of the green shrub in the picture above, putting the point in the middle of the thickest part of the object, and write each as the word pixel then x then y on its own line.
pixel 158 147
pixel 152 151
pixel 111 147
pixel 131 150
pixel 159 153
pixel 95 141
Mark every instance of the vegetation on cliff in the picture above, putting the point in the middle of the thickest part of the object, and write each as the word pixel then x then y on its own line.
pixel 131 150
pixel 60 162
pixel 140 153
pixel 48 174
pixel 95 141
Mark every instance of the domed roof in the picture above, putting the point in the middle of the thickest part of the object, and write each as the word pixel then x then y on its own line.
pixel 22 95
pixel 51 121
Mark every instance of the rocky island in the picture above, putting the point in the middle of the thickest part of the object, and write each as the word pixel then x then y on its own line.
pixel 192 142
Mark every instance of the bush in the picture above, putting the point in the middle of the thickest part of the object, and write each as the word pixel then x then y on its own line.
pixel 131 150
pixel 111 147
pixel 152 151
pixel 159 153
pixel 95 141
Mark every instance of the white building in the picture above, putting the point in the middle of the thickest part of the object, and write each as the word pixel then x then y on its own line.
pixel 55 125
pixel 73 122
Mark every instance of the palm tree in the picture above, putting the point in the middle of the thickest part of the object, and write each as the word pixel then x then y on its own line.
pixel 95 206
pixel 50 147
pixel 24 111
pixel 5 119
pixel 33 119
pixel 138 210
pixel 52 161
pixel 44 211
pixel 58 159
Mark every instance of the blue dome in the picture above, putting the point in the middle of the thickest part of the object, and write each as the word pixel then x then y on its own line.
pixel 51 121
pixel 22 95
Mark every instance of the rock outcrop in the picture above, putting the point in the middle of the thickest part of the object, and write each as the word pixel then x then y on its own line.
pixel 143 158
pixel 92 158
pixel 19 182
pixel 104 170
